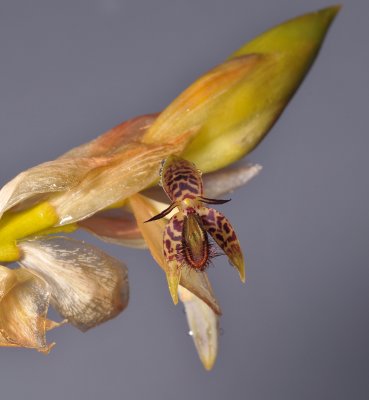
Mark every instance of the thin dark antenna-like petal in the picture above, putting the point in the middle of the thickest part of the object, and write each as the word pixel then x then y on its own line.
pixel 163 213
pixel 213 201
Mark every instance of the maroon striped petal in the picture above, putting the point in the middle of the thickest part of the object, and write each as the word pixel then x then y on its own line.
pixel 181 179
pixel 221 230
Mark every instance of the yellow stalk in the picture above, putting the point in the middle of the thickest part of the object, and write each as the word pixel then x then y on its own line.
pixel 18 225
pixel 9 252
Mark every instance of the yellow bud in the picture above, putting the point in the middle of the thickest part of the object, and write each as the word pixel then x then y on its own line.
pixel 229 110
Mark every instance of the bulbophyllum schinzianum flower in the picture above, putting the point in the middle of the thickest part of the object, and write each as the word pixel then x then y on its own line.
pixel 109 187
pixel 186 242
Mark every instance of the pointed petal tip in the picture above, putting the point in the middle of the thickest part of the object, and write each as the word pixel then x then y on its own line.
pixel 173 282
pixel 333 10
pixel 46 350
pixel 238 262
pixel 257 168
pixel 209 363
pixel 329 13
pixel 241 269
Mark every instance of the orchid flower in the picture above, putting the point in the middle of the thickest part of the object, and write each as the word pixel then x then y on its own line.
pixel 185 240
pixel 109 188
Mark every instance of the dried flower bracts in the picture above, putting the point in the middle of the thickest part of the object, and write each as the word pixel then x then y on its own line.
pixel 186 242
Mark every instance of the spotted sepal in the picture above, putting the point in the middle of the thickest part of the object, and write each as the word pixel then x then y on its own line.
pixel 218 226
pixel 181 179
pixel 172 245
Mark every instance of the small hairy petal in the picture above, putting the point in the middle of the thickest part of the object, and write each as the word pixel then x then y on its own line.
pixel 53 176
pixel 221 230
pixel 87 286
pixel 196 282
pixel 115 139
pixel 118 230
pixel 128 172
pixel 224 181
pixel 203 324
pixel 24 302
pixel 181 179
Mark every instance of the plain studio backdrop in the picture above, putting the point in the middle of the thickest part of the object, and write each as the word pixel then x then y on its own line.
pixel 298 329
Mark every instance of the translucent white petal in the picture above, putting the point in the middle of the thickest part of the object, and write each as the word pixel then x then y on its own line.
pixel 203 326
pixel 219 183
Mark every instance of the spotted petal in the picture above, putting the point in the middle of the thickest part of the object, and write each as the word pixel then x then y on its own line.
pixel 172 243
pixel 181 179
pixel 216 184
pixel 218 226
pixel 87 286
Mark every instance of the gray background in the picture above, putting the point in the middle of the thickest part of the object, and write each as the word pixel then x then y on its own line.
pixel 299 329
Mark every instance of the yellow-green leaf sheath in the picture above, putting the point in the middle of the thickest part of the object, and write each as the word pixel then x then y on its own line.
pixel 230 109
pixel 242 118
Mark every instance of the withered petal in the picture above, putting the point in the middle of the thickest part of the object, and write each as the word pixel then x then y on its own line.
pixel 114 139
pixel 24 302
pixel 87 286
pixel 126 173
pixel 118 230
pixel 68 170
pixel 53 176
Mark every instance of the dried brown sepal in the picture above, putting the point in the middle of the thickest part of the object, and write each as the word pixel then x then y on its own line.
pixel 87 286
pixel 118 229
pixel 24 302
